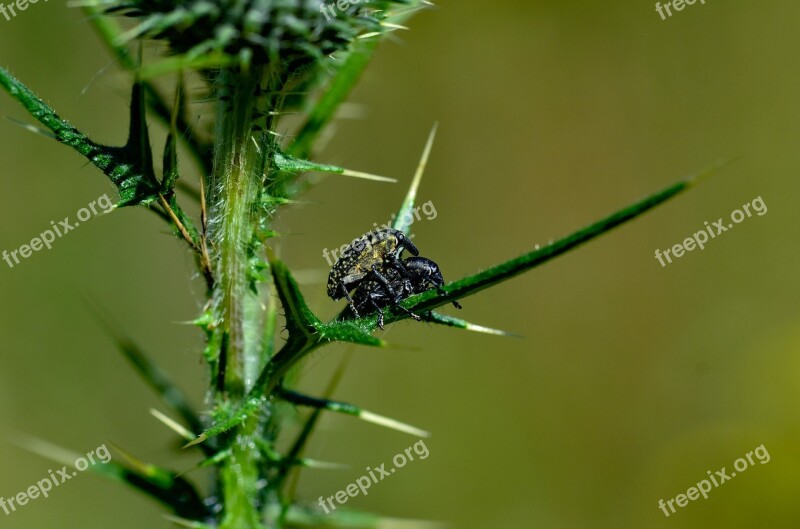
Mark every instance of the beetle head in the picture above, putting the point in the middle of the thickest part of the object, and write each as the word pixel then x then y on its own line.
pixel 404 242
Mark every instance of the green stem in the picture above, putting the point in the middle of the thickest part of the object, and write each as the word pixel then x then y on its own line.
pixel 241 156
pixel 241 480
pixel 234 191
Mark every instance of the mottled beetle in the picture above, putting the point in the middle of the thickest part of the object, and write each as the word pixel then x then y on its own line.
pixel 369 257
pixel 371 296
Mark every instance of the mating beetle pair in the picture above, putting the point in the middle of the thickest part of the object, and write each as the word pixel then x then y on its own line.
pixel 372 265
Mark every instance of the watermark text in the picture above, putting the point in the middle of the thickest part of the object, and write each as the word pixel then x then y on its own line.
pixel 43 487
pixel 716 228
pixel 48 236
pixel 704 486
pixel 374 476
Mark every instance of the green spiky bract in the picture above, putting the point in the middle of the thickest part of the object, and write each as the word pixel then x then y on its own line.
pixel 257 59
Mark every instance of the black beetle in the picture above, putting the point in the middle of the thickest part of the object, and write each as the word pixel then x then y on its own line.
pixel 371 256
pixel 422 273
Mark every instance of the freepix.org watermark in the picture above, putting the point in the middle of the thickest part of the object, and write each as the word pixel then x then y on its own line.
pixel 700 238
pixel 14 7
pixel 719 477
pixel 427 208
pixel 677 5
pixel 48 236
pixel 374 476
pixel 341 5
pixel 44 486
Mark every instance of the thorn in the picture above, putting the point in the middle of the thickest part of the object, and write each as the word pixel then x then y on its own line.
pixel 713 168
pixel 392 26
pixel 199 439
pixel 368 176
pixel 32 128
pixel 392 423
pixel 172 424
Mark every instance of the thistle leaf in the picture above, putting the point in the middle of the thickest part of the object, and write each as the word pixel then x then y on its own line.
pixel 504 271
pixel 109 32
pixel 296 451
pixel 299 318
pixel 135 182
pixel 158 483
pixel 170 158
pixel 156 378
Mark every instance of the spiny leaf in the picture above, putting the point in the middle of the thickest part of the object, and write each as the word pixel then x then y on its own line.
pixel 434 298
pixel 296 450
pixel 349 331
pixel 137 149
pixel 156 378
pixel 299 318
pixel 170 159
pixel 136 183
pixel 504 271
pixel 349 409
pixel 163 485
pixel 306 331
pixel 159 476
pixel 109 31
pixel 150 372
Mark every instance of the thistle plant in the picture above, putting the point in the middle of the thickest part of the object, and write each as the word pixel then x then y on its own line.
pixel 257 61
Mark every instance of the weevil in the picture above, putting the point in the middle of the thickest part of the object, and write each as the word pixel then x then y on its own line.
pixel 422 273
pixel 371 256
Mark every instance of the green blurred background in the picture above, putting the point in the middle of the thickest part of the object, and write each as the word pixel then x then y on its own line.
pixel 632 380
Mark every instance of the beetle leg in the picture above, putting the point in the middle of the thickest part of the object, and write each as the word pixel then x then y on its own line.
pixel 377 308
pixel 396 302
pixel 350 303
pixel 439 289
pixel 380 315
pixel 415 316
pixel 383 281
pixel 397 264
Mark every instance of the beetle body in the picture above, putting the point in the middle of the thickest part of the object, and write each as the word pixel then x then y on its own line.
pixel 369 257
pixel 371 295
